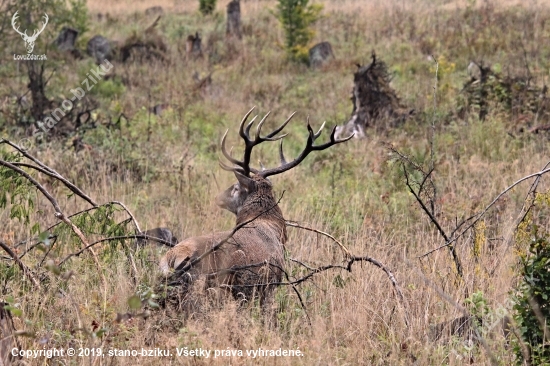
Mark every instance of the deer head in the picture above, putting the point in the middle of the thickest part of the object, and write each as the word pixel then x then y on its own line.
pixel 29 40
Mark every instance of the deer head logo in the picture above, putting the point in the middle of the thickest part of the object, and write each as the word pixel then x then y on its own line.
pixel 29 40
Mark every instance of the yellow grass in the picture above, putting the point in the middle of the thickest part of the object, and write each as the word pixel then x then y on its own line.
pixel 355 191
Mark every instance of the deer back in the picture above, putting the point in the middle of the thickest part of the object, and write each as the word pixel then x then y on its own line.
pixel 253 254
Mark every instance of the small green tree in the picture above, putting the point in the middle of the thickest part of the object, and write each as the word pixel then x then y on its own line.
pixel 207 6
pixel 296 17
pixel 532 297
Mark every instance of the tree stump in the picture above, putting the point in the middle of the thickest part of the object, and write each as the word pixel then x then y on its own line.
pixel 99 48
pixel 193 46
pixel 320 54
pixel 234 19
pixel 66 39
pixel 375 103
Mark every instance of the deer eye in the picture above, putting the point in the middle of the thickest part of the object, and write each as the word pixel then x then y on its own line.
pixel 236 190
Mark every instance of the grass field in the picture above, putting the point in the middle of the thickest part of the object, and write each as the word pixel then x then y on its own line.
pixel 165 170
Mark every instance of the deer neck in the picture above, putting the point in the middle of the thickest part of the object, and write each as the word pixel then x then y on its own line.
pixel 261 206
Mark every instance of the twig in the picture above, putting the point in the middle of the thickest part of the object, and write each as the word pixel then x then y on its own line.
pixel 314 271
pixel 26 271
pixel 112 238
pixel 49 171
pixel 295 224
pixel 67 183
pixel 58 213
pixel 533 192
pixel 90 209
pixel 435 222
pixel 480 215
pixel 127 211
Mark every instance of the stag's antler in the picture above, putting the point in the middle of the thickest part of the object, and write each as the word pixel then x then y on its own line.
pixel 243 167
pixel 309 148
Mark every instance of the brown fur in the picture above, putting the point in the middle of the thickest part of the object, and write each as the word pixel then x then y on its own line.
pixel 259 245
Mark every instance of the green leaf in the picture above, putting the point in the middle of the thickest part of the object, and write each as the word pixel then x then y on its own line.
pixel 134 302
pixel 100 333
pixel 14 311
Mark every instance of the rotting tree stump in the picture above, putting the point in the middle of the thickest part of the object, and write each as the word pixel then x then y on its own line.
pixel 234 19
pixel 375 103
pixel 193 46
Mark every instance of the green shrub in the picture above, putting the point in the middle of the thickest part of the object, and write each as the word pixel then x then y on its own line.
pixel 207 6
pixel 296 17
pixel 531 302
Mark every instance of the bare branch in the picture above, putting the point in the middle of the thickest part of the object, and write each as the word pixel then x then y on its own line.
pixel 482 213
pixel 58 213
pixel 314 271
pixel 295 224
pixel 26 271
pixel 49 171
pixel 127 211
pixel 435 222
pixel 112 238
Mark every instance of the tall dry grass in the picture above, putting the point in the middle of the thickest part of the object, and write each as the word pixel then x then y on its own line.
pixel 165 170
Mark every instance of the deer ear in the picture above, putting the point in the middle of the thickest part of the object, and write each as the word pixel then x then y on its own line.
pixel 245 182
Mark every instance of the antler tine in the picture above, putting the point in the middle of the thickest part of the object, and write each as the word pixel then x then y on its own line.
pixel 259 128
pixel 243 167
pixel 332 138
pixel 281 154
pixel 225 153
pixel 280 128
pixel 237 169
pixel 320 130
pixel 309 148
pixel 227 167
pixel 241 127
pixel 247 130
pixel 269 137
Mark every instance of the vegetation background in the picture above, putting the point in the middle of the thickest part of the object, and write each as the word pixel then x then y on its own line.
pixel 165 169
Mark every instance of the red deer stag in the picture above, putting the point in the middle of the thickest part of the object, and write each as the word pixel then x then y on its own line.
pixel 250 257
